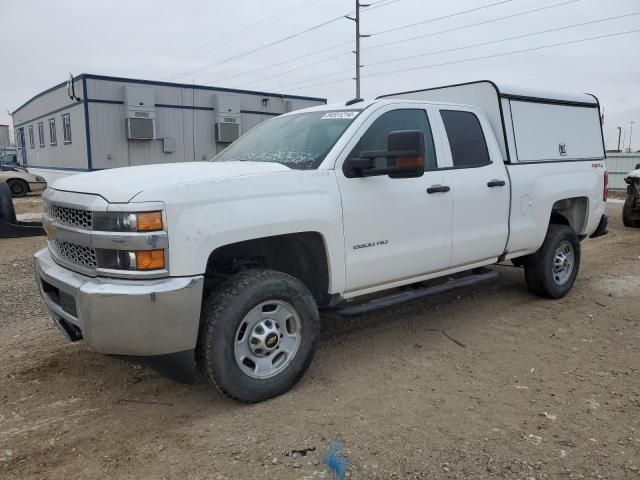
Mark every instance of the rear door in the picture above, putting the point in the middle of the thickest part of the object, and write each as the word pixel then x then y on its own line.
pixel 479 185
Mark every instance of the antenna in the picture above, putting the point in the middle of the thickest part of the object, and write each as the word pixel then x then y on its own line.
pixel 71 89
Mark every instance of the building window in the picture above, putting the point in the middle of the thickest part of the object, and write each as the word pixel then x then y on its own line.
pixel 466 139
pixel 53 140
pixel 66 128
pixel 32 140
pixel 41 134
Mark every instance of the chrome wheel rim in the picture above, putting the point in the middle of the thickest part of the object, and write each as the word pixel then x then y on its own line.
pixel 267 339
pixel 563 262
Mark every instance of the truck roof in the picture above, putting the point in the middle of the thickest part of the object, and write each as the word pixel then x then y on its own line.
pixel 502 89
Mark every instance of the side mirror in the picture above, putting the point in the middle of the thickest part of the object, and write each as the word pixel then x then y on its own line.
pixel 403 158
pixel 637 166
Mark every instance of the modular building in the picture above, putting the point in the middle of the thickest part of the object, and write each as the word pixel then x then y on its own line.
pixel 93 122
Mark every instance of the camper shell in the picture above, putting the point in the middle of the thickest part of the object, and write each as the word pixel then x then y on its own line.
pixel 530 125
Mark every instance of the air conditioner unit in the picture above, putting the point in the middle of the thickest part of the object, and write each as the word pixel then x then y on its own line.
pixel 140 128
pixel 226 117
pixel 227 132
pixel 141 112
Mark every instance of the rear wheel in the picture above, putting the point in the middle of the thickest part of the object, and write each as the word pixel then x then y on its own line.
pixel 19 188
pixel 257 335
pixel 552 270
pixel 630 218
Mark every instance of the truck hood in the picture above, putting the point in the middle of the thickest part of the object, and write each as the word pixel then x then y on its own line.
pixel 120 185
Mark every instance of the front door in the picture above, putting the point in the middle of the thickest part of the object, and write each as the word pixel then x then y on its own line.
pixel 394 229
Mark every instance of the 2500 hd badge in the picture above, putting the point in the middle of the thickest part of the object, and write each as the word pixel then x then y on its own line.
pixel 370 244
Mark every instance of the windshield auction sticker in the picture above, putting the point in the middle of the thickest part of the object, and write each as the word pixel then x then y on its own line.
pixel 334 115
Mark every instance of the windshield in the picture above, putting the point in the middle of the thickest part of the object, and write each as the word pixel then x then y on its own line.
pixel 299 141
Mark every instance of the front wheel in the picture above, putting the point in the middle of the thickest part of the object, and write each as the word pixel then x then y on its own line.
pixel 257 335
pixel 552 270
pixel 19 188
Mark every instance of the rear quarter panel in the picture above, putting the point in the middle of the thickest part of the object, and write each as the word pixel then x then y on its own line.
pixel 536 186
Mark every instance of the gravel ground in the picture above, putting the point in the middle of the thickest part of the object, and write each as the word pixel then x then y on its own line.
pixel 532 389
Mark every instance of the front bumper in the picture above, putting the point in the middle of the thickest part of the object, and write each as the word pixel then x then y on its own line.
pixel 122 317
pixel 37 186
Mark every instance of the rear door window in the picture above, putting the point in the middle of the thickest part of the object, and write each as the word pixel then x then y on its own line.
pixel 466 139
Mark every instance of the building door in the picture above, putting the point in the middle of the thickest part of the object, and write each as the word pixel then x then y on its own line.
pixel 20 144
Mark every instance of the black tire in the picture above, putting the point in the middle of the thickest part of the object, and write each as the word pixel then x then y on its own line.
pixel 518 262
pixel 7 212
pixel 538 269
pixel 19 188
pixel 628 214
pixel 224 311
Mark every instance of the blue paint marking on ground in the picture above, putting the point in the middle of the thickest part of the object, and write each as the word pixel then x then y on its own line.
pixel 336 462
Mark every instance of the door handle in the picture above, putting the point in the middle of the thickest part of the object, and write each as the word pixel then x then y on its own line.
pixel 496 183
pixel 438 189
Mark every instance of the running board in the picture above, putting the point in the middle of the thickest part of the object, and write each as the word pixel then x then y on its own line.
pixel 452 283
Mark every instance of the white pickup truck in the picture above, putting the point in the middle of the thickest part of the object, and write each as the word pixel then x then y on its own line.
pixel 224 265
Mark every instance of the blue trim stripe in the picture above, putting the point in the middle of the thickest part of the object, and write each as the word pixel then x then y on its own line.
pixel 100 100
pixel 66 169
pixel 255 112
pixel 184 107
pixel 48 114
pixel 85 101
pixel 85 76
pixel 199 87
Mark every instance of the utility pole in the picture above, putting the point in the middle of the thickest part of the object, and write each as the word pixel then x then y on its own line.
pixel 630 134
pixel 619 135
pixel 356 19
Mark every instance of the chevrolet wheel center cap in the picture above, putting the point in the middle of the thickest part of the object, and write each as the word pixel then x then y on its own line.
pixel 271 340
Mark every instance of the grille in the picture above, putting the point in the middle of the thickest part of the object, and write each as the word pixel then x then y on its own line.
pixel 70 216
pixel 77 254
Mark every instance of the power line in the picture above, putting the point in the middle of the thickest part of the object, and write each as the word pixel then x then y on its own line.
pixel 443 17
pixel 306 55
pixel 372 7
pixel 484 22
pixel 393 60
pixel 591 22
pixel 422 67
pixel 306 65
pixel 380 3
pixel 248 52
pixel 259 25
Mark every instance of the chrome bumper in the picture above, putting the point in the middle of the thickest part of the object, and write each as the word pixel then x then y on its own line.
pixel 122 317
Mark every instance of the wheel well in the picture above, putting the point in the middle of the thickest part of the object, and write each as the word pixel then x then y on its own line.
pixel 301 255
pixel 571 212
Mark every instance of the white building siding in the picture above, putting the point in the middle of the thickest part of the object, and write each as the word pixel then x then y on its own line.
pixel 184 115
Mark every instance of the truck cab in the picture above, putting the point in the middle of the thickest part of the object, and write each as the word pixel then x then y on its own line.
pixel 224 265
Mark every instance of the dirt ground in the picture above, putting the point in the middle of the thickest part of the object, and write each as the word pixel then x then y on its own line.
pixel 531 389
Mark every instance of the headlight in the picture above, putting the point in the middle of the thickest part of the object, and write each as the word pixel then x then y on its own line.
pixel 127 222
pixel 142 260
pixel 40 179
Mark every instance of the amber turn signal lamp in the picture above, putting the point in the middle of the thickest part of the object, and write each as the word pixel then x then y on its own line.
pixel 149 221
pixel 149 259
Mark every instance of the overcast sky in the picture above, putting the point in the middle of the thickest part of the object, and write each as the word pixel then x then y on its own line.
pixel 160 40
